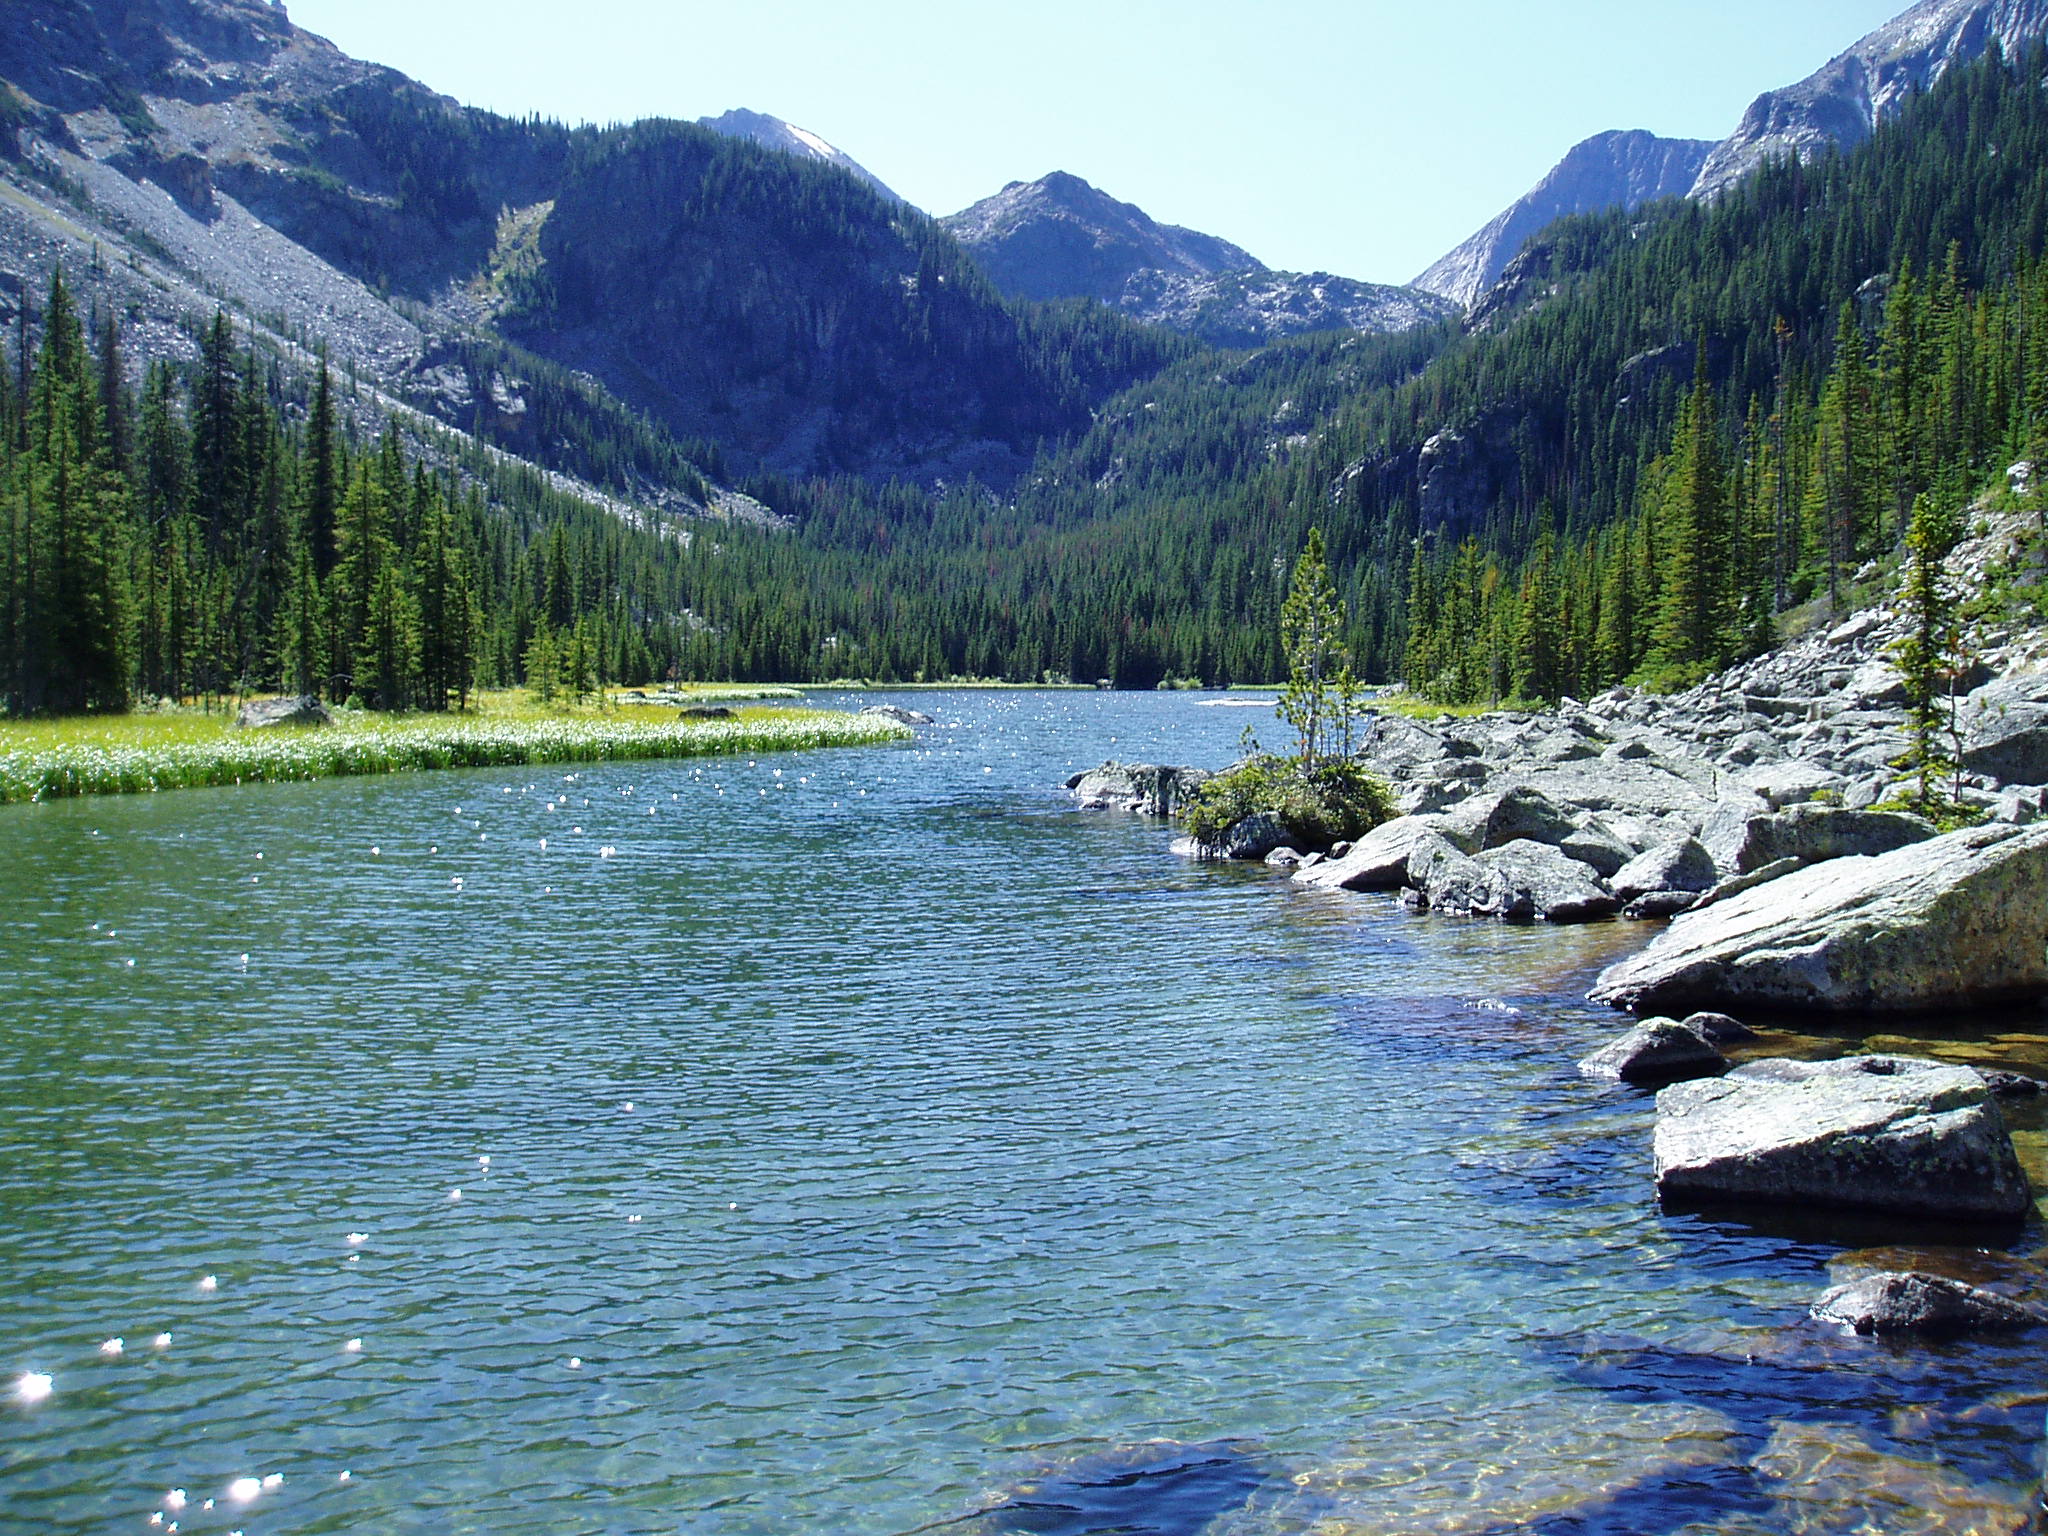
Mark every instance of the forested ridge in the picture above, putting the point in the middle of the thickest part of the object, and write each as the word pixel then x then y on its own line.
pixel 1666 428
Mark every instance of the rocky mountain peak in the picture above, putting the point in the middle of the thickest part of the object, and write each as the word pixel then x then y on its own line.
pixel 1058 237
pixel 1616 169
pixel 774 133
pixel 1844 100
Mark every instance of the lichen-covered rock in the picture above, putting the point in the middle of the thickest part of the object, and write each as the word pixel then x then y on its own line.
pixel 1932 1306
pixel 1956 920
pixel 1656 1051
pixel 1527 815
pixel 1868 1132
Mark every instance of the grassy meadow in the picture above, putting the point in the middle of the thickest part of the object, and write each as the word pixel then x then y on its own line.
pixel 191 748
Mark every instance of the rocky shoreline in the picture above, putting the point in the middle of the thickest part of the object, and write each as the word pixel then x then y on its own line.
pixel 1743 819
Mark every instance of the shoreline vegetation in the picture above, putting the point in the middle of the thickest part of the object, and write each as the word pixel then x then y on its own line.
pixel 191 749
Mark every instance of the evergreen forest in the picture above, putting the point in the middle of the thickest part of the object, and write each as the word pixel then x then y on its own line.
pixel 1669 428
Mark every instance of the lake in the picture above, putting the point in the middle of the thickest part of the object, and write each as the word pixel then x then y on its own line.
pixel 868 1142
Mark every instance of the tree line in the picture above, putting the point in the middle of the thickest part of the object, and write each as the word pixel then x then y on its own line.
pixel 216 535
pixel 1931 389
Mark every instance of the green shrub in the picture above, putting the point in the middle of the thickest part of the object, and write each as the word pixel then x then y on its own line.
pixel 1332 801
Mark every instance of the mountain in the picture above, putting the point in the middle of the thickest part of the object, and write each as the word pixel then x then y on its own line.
pixel 774 133
pixel 1060 238
pixel 1610 170
pixel 1843 102
pixel 558 293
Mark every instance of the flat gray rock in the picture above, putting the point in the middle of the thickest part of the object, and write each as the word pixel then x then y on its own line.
pixel 1953 921
pixel 1379 860
pixel 1868 1132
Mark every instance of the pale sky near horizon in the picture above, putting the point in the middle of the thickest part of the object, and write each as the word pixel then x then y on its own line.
pixel 1363 138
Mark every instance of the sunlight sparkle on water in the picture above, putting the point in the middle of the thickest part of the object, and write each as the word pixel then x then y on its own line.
pixel 34 1386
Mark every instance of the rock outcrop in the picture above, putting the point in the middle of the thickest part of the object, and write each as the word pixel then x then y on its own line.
pixel 1955 920
pixel 1869 1132
pixel 1148 789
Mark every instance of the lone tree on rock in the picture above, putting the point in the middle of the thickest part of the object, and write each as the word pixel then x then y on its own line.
pixel 1317 700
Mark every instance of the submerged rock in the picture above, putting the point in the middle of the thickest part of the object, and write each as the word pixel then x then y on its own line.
pixel 1932 1306
pixel 1956 920
pixel 1160 1486
pixel 264 714
pixel 1458 1475
pixel 1868 1132
pixel 1656 1051
pixel 1827 1480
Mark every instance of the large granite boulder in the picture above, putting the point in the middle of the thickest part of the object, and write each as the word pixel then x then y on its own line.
pixel 1147 789
pixel 1524 814
pixel 1595 844
pixel 2005 729
pixel 1256 836
pixel 1811 834
pixel 899 714
pixel 1681 866
pixel 1932 1306
pixel 1953 921
pixel 268 714
pixel 1869 1132
pixel 1521 882
pixel 1379 860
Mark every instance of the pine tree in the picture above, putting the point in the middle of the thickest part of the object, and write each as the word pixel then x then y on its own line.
pixel 1310 629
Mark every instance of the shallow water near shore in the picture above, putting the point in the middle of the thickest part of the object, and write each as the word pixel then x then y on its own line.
pixel 875 1144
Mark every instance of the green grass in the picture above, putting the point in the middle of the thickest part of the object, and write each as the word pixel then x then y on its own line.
pixel 140 754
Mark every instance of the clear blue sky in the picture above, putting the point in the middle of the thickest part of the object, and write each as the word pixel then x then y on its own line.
pixel 1363 138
